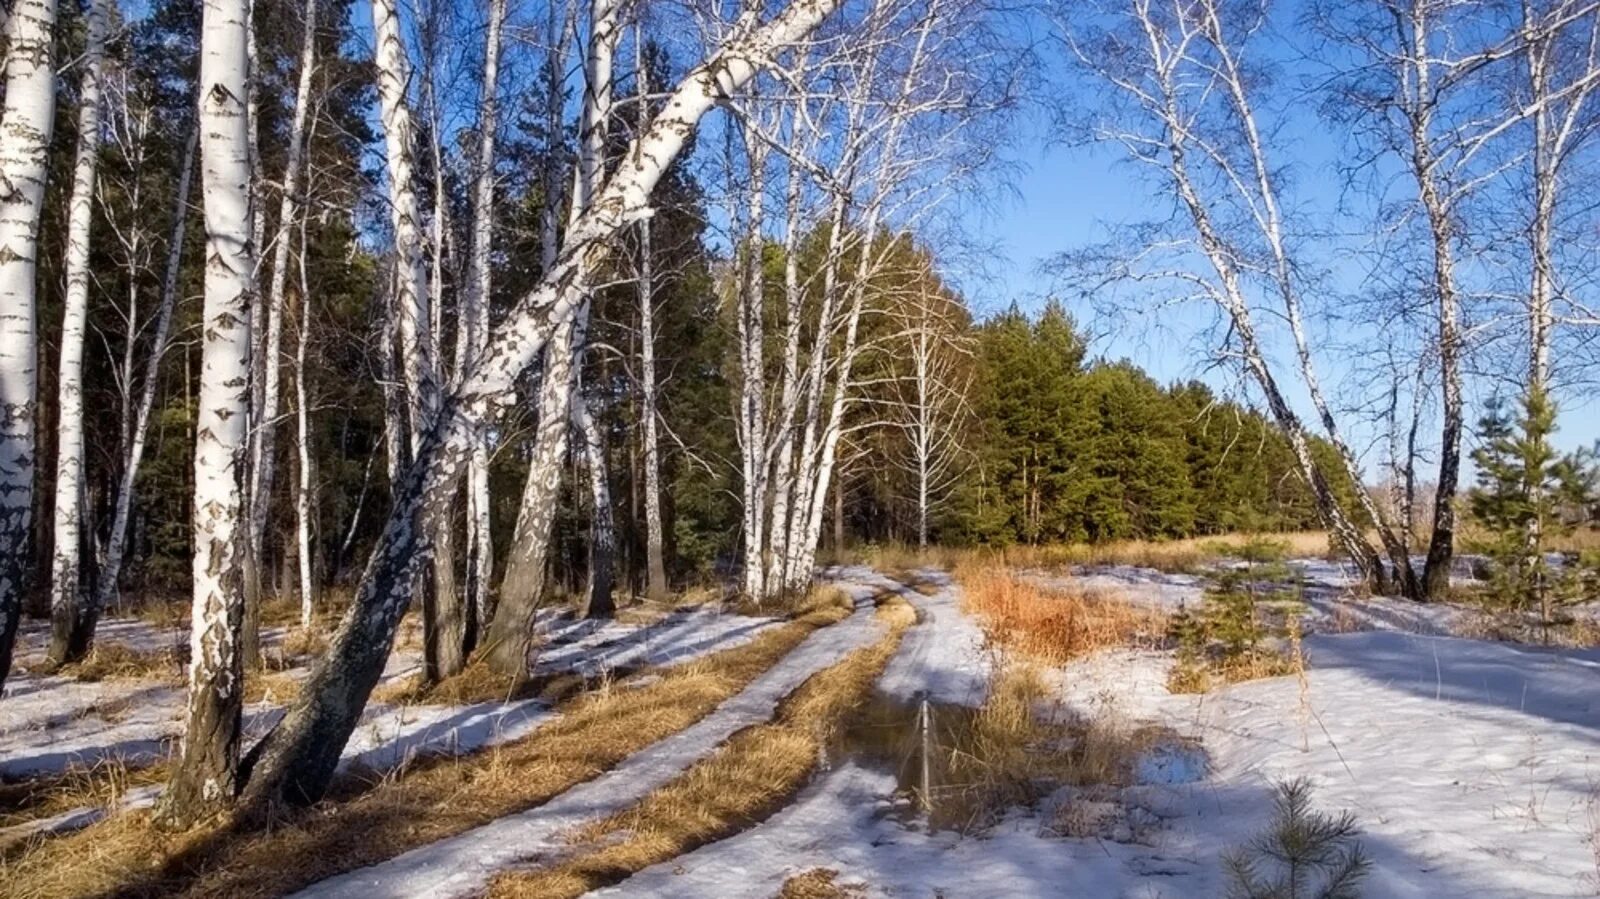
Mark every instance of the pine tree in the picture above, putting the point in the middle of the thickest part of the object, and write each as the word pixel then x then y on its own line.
pixel 1525 489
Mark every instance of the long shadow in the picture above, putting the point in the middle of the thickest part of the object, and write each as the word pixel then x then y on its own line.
pixel 1556 685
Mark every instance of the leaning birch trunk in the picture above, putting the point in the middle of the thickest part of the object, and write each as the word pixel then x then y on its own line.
pixel 72 610
pixel 30 92
pixel 297 759
pixel 117 541
pixel 655 561
pixel 206 778
pixel 1270 222
pixel 1231 299
pixel 510 634
pixel 474 327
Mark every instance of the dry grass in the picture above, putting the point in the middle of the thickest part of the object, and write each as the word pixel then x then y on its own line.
pixel 118 661
pixel 1188 555
pixel 96 786
pixel 1005 754
pixel 369 820
pixel 1203 678
pixel 818 883
pixel 1053 627
pixel 304 641
pixel 741 784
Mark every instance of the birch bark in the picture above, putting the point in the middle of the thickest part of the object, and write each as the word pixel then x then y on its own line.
pixel 25 128
pixel 296 761
pixel 206 777
pixel 72 611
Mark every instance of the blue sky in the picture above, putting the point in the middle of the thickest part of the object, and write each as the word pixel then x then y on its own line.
pixel 1065 197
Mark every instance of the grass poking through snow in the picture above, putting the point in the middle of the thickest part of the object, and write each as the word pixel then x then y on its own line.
pixel 370 820
pixel 1053 627
pixel 742 783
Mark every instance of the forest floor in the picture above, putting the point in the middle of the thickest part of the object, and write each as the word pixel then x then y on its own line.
pixel 886 754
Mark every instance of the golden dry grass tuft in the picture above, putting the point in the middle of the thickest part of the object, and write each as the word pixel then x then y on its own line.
pixel 303 641
pixel 94 786
pixel 818 883
pixel 739 785
pixel 368 820
pixel 1186 555
pixel 118 661
pixel 1053 627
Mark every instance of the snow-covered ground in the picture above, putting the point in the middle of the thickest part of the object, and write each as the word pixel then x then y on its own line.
pixel 1473 768
pixel 49 724
pixel 1324 591
pixel 464 864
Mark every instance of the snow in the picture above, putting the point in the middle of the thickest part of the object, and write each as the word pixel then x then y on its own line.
pixel 941 657
pixel 464 864
pixel 49 724
pixel 1473 768
pixel 1324 592
pixel 592 648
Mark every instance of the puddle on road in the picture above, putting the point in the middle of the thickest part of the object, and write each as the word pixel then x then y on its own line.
pixel 966 767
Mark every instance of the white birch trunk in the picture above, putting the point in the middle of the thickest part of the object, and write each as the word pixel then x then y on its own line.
pixel 264 450
pixel 599 71
pixel 72 614
pixel 205 779
pixel 751 414
pixel 24 144
pixel 474 326
pixel 655 560
pixel 302 419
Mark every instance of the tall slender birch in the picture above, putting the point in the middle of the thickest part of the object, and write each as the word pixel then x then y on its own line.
pixel 296 761
pixel 269 366
pixel 117 538
pixel 206 778
pixel 72 612
pixel 473 330
pixel 25 127
pixel 594 124
pixel 302 420
pixel 655 561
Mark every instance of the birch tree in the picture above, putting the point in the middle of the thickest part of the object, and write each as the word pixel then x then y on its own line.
pixel 296 761
pixel 655 560
pixel 510 633
pixel 1180 103
pixel 473 329
pixel 206 777
pixel 117 538
pixel 72 612
pixel 930 396
pixel 598 73
pixel 25 127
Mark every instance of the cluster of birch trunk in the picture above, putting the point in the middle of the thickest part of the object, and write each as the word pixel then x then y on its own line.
pixel 852 118
pixel 1459 122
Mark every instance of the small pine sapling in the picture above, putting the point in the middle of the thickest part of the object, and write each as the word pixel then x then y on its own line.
pixel 1526 494
pixel 1303 854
